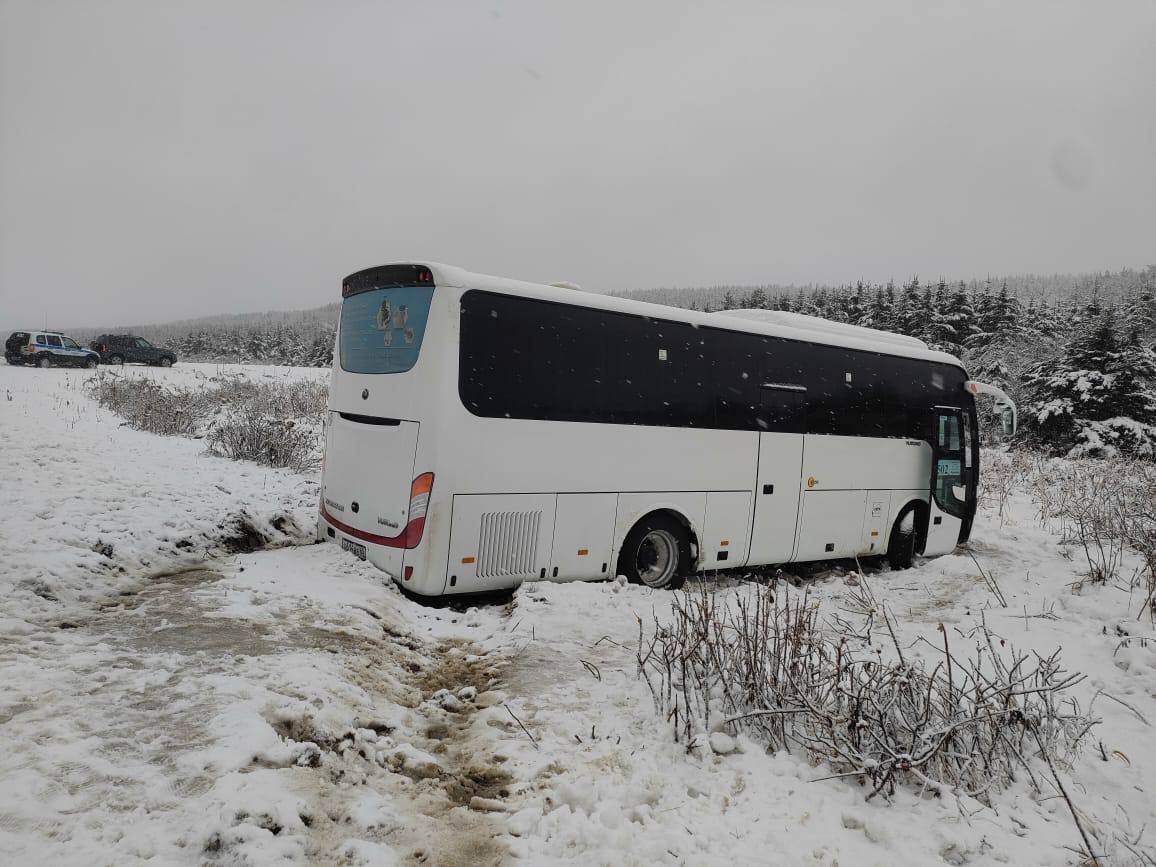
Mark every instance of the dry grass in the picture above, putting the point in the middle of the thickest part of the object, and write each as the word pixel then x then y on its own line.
pixel 1105 508
pixel 276 423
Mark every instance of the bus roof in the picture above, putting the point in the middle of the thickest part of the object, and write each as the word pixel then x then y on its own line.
pixel 791 326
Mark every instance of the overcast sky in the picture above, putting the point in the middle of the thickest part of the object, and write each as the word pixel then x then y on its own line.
pixel 161 159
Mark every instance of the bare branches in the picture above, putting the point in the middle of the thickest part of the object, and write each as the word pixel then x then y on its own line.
pixel 765 664
pixel 1104 507
pixel 1089 852
pixel 1123 703
pixel 533 740
pixel 592 668
pixel 988 579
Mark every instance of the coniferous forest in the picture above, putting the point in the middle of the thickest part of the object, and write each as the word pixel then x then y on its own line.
pixel 1077 353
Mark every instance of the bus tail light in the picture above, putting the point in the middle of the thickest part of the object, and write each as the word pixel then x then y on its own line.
pixel 410 537
pixel 419 493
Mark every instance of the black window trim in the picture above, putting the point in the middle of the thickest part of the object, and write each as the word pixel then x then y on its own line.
pixel 918 414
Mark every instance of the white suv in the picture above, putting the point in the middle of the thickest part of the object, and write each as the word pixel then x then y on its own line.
pixel 47 349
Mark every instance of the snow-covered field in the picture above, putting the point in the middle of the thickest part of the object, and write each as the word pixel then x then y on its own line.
pixel 172 697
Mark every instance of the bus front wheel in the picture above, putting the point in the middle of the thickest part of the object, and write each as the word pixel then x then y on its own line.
pixel 901 546
pixel 656 553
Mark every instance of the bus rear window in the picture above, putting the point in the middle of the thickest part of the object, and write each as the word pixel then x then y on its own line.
pixel 382 330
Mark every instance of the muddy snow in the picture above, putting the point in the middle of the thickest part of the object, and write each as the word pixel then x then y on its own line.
pixel 171 697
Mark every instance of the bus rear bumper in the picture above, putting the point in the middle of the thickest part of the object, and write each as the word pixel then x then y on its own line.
pixel 389 560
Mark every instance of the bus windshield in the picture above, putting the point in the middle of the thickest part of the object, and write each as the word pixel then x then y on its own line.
pixel 382 330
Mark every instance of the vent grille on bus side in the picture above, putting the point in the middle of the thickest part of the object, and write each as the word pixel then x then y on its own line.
pixel 509 544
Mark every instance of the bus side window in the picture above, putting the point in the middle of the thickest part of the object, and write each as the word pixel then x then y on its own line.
pixel 948 437
pixel 631 365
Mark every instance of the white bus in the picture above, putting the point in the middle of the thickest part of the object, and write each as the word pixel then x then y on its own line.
pixel 483 432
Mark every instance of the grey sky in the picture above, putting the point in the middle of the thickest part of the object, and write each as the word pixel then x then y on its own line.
pixel 160 160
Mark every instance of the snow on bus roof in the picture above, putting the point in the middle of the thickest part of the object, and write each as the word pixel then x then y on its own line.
pixel 827 326
pixel 773 323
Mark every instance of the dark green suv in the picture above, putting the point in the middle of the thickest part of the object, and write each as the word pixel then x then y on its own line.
pixel 128 349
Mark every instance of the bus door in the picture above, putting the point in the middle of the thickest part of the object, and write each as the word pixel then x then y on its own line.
pixel 951 483
pixel 777 483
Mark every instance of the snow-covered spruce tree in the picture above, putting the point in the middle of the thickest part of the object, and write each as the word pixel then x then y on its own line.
pixel 1098 398
pixel 959 320
pixel 321 352
pixel 1008 343
pixel 1140 311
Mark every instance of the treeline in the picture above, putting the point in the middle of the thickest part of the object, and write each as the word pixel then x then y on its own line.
pixel 289 345
pixel 1080 362
pixel 301 338
pixel 1076 352
pixel 1109 286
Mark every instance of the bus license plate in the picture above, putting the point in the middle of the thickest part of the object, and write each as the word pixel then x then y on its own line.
pixel 353 547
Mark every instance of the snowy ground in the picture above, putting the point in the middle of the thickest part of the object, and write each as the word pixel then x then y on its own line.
pixel 169 700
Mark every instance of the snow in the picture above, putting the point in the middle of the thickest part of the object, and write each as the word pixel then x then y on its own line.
pixel 187 705
pixel 98 507
pixel 612 787
pixel 804 322
pixel 804 328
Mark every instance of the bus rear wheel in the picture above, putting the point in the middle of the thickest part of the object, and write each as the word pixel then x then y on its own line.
pixel 656 553
pixel 901 545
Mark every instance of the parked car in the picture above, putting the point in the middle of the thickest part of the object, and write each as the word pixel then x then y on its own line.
pixel 128 349
pixel 47 349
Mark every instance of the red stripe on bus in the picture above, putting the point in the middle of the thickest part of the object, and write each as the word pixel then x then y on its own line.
pixel 408 538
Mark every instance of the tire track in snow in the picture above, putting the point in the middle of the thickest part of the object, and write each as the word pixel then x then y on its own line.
pixel 130 709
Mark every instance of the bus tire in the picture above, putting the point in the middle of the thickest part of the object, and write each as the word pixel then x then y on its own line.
pixel 656 553
pixel 901 545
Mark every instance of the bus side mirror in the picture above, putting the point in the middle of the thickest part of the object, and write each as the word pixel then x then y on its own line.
pixel 1008 415
pixel 1007 420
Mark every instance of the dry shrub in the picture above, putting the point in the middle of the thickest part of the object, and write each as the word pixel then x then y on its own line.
pixel 1105 507
pixel 764 664
pixel 271 396
pixel 275 442
pixel 270 421
pixel 1004 473
pixel 149 406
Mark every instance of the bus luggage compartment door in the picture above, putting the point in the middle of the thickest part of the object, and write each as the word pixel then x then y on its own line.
pixel 726 531
pixel 499 540
pixel 583 535
pixel 831 525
